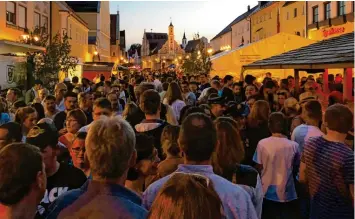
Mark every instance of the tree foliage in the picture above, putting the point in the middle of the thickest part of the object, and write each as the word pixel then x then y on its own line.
pixel 133 48
pixel 56 58
pixel 198 61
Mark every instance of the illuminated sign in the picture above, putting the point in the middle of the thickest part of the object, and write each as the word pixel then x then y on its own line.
pixel 333 30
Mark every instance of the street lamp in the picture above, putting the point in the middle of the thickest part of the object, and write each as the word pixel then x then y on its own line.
pixel 36 38
pixel 95 53
pixel 25 36
pixel 209 51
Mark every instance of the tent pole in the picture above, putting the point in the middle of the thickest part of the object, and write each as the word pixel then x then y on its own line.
pixel 325 82
pixel 297 82
pixel 347 84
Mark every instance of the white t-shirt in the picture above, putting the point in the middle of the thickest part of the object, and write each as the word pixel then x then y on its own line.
pixel 278 156
pixel 303 132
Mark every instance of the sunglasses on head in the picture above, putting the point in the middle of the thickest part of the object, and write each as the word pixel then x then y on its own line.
pixel 35 131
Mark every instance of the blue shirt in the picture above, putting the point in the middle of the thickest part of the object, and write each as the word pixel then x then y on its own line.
pixel 95 199
pixel 236 201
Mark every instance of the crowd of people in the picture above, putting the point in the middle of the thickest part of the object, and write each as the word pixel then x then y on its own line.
pixel 158 145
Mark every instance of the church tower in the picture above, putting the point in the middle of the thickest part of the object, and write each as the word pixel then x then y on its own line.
pixel 184 41
pixel 171 38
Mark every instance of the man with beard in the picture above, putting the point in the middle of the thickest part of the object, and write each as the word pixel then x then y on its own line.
pixel 70 103
pixel 50 110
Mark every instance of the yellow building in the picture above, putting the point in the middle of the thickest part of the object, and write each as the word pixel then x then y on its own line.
pixel 65 20
pixel 293 17
pixel 329 19
pixel 97 16
pixel 15 18
pixel 265 21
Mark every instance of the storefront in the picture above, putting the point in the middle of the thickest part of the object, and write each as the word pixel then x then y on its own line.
pixel 327 32
pixel 321 57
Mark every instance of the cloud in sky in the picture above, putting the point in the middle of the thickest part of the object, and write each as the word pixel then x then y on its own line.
pixel 206 17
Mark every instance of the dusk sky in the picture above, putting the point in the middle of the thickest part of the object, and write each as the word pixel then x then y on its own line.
pixel 206 17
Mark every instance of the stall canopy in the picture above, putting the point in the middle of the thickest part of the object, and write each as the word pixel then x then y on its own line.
pixel 324 56
pixel 231 62
pixel 337 52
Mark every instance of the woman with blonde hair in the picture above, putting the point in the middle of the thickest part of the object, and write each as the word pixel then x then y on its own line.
pixel 171 150
pixel 174 98
pixel 227 158
pixel 187 196
pixel 256 129
pixel 27 117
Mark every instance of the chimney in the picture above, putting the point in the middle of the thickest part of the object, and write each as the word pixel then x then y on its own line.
pixel 248 7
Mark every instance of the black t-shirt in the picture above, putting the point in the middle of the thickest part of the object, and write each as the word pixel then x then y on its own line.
pixel 59 120
pixel 65 179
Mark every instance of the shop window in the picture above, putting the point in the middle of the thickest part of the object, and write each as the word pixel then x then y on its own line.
pixel 11 12
pixel 22 17
pixel 315 14
pixel 327 10
pixel 295 12
pixel 341 8
pixel 37 19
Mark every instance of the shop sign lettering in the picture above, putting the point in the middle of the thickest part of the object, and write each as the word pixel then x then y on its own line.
pixel 333 30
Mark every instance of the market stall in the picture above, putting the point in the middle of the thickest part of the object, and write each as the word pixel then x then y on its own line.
pixel 320 57
pixel 232 61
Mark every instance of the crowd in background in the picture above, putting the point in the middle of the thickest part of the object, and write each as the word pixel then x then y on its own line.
pixel 161 145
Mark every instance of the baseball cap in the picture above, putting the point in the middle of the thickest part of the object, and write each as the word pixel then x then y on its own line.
pixel 216 100
pixel 43 135
pixel 37 81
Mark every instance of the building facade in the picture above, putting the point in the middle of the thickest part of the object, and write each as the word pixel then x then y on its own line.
pixel 329 19
pixel 160 50
pixel 293 17
pixel 241 29
pixel 223 40
pixel 19 18
pixel 97 15
pixel 265 21
pixel 115 37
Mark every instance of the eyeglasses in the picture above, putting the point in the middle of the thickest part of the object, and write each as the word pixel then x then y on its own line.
pixel 78 150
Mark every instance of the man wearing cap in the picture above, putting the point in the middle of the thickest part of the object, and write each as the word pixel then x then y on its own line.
pixel 217 105
pixel 60 176
pixel 32 93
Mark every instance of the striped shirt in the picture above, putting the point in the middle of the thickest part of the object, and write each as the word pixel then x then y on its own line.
pixel 330 171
